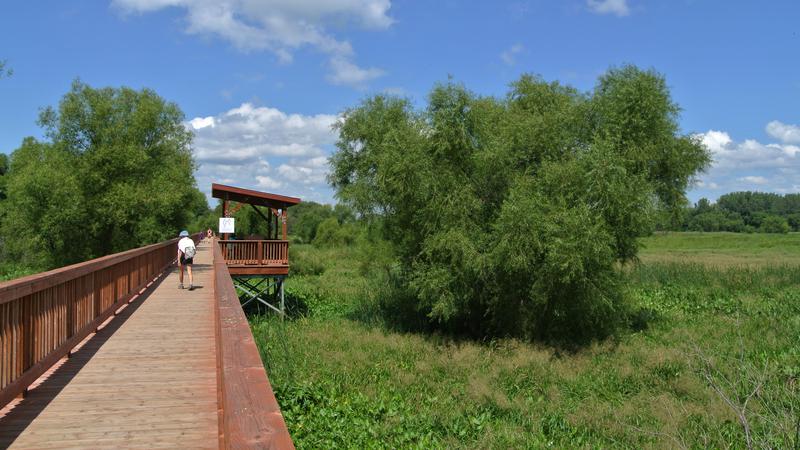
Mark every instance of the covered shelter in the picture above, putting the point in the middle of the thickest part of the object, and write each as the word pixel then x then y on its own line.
pixel 256 257
pixel 258 267
pixel 276 205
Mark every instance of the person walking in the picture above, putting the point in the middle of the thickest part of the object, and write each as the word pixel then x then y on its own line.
pixel 186 251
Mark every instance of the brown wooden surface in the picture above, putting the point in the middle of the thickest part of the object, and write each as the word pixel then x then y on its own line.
pixel 147 379
pixel 256 252
pixel 252 197
pixel 249 257
pixel 42 316
pixel 250 415
pixel 258 270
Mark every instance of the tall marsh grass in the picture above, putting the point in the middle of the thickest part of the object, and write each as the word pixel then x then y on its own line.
pixel 711 360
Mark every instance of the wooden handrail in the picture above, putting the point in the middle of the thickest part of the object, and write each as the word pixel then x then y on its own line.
pixel 256 252
pixel 221 241
pixel 14 289
pixel 43 316
pixel 249 415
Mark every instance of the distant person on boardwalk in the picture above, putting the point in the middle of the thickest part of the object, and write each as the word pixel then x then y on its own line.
pixel 209 233
pixel 186 251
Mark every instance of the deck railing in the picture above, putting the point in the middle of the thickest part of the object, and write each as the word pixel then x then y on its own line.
pixel 249 416
pixel 256 253
pixel 43 316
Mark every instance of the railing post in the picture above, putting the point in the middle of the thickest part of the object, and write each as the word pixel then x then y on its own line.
pixel 260 252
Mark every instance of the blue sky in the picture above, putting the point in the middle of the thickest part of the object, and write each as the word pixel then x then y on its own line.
pixel 260 81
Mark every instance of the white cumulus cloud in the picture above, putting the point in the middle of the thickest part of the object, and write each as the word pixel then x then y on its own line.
pixel 749 153
pixel 750 164
pixel 268 182
pixel 282 26
pixel 265 148
pixel 788 134
pixel 754 179
pixel 617 7
pixel 345 72
pixel 201 122
pixel 709 185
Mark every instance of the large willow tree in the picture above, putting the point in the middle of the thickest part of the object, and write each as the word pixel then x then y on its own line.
pixel 115 173
pixel 510 216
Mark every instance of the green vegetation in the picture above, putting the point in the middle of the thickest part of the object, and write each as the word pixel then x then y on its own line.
pixel 507 216
pixel 305 218
pixel 742 212
pixel 481 286
pixel 115 173
pixel 347 371
pixel 722 250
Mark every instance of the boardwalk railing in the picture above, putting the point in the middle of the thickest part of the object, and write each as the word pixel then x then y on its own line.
pixel 43 316
pixel 258 253
pixel 249 416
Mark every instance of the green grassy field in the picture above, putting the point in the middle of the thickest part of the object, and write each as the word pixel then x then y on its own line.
pixel 722 249
pixel 713 349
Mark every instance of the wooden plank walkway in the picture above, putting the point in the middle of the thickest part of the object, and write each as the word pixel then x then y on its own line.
pixel 147 379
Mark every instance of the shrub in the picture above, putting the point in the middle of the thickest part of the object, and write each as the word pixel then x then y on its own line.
pixel 330 233
pixel 507 216
pixel 305 263
pixel 774 224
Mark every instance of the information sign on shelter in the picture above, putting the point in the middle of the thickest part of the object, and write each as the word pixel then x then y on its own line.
pixel 226 225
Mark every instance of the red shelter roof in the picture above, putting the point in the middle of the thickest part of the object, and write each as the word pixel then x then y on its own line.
pixel 258 198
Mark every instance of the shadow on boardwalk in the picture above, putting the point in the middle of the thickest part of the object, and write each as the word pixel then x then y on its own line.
pixel 21 413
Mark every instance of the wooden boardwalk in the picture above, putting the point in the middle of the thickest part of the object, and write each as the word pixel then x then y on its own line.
pixel 147 379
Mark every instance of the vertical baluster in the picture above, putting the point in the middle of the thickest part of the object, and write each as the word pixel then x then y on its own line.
pixel 16 338
pixel 6 362
pixel 57 316
pixel 71 306
pixel 9 356
pixel 47 321
pixel 14 341
pixel 3 349
pixel 6 365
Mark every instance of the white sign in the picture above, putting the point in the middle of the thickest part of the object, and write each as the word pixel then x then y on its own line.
pixel 226 225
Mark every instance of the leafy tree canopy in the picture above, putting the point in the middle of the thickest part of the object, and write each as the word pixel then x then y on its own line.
pixel 509 215
pixel 741 212
pixel 116 173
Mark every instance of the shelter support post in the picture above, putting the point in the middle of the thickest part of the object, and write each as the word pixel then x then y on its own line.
pixel 283 223
pixel 225 236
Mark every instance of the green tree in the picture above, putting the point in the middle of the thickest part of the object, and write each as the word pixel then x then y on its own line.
pixel 774 224
pixel 794 220
pixel 46 211
pixel 331 233
pixel 509 215
pixel 328 232
pixel 120 167
pixel 304 220
pixel 4 162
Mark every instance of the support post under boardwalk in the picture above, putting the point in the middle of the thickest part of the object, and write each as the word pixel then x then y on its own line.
pixel 253 289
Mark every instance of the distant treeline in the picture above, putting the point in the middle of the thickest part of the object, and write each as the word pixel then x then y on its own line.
pixel 743 212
